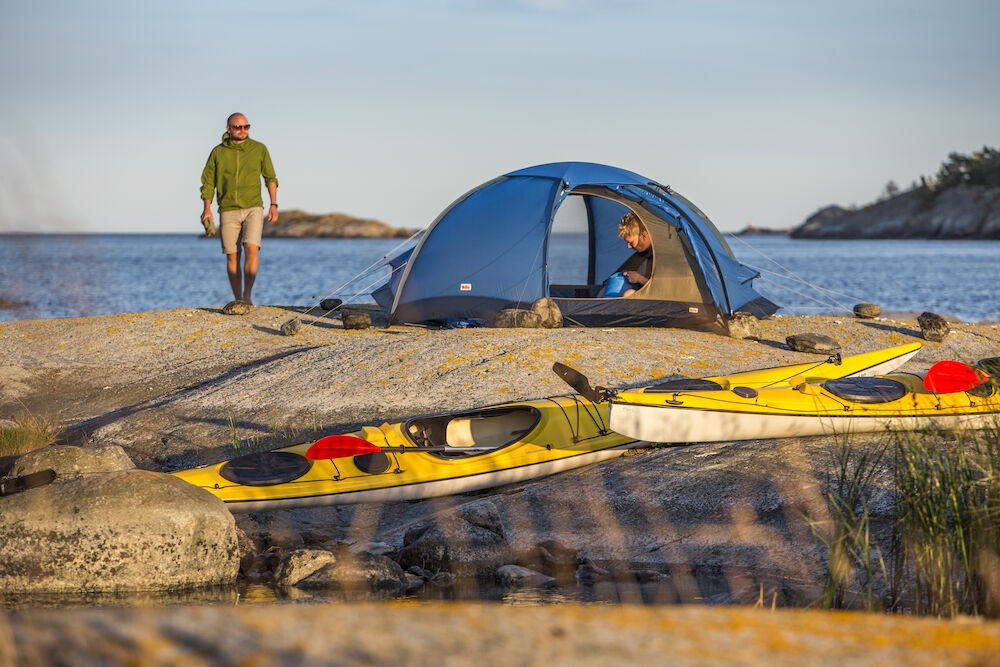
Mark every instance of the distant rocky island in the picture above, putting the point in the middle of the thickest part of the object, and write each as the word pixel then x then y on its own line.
pixel 961 212
pixel 961 202
pixel 753 230
pixel 301 225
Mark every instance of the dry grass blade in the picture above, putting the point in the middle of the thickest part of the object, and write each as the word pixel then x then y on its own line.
pixel 26 433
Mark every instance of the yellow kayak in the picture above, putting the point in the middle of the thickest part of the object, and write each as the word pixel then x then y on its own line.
pixel 455 452
pixel 423 457
pixel 893 402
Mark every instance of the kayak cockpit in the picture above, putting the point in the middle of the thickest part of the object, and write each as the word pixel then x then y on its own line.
pixel 469 433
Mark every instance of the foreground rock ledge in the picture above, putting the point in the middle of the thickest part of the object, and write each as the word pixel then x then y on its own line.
pixel 476 633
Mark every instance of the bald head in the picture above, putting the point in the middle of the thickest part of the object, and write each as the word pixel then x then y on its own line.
pixel 238 128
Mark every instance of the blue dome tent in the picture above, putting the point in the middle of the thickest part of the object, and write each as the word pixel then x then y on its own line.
pixel 490 250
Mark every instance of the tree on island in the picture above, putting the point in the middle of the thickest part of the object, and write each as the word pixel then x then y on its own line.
pixel 980 168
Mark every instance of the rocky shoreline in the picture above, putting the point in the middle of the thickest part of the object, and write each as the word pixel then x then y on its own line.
pixel 959 212
pixel 173 389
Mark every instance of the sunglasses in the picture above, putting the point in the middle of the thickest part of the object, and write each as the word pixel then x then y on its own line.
pixel 240 127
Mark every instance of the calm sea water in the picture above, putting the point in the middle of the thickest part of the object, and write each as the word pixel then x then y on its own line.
pixel 80 275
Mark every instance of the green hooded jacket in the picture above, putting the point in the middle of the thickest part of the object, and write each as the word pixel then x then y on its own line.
pixel 234 172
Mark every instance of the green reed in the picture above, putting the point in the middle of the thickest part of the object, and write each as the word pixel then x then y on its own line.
pixel 256 441
pixel 942 556
pixel 948 520
pixel 854 563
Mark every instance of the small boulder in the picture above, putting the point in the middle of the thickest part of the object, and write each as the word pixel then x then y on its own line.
pixel 867 311
pixel 813 342
pixel 355 319
pixel 934 327
pixel 70 462
pixel 306 568
pixel 330 304
pixel 548 312
pixel 518 577
pixel 236 308
pixel 513 318
pixel 743 326
pixel 370 573
pixel 291 327
pixel 469 542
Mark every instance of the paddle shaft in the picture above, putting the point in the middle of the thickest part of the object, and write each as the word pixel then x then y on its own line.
pixel 346 445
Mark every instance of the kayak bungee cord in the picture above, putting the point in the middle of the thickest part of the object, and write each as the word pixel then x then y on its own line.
pixel 832 359
pixel 576 429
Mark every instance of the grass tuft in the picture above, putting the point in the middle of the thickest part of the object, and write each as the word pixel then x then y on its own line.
pixel 27 433
pixel 949 521
pixel 943 553
pixel 854 562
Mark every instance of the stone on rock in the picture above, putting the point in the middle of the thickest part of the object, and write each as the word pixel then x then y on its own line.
pixel 469 542
pixel 867 311
pixel 291 327
pixel 518 577
pixel 321 569
pixel 355 319
pixel 813 342
pixel 549 557
pixel 236 308
pixel 934 327
pixel 330 304
pixel 306 565
pixel 127 530
pixel 548 312
pixel 743 326
pixel 370 573
pixel 70 462
pixel 513 318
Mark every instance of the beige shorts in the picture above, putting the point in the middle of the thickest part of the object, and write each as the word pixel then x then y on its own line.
pixel 243 226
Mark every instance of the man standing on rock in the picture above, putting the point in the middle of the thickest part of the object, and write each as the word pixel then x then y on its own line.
pixel 234 170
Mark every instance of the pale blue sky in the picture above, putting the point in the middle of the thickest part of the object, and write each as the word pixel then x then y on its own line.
pixel 758 112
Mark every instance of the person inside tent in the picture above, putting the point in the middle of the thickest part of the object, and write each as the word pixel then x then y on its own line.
pixel 635 271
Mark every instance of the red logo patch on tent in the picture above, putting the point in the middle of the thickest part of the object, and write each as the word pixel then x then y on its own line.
pixel 465 287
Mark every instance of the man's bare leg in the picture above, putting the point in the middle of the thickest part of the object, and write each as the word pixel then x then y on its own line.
pixel 235 278
pixel 250 270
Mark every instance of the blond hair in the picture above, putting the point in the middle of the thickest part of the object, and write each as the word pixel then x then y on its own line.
pixel 630 225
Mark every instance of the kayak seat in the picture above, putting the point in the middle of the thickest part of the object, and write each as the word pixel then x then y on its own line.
pixel 489 431
pixel 866 389
pixel 684 384
pixel 991 367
